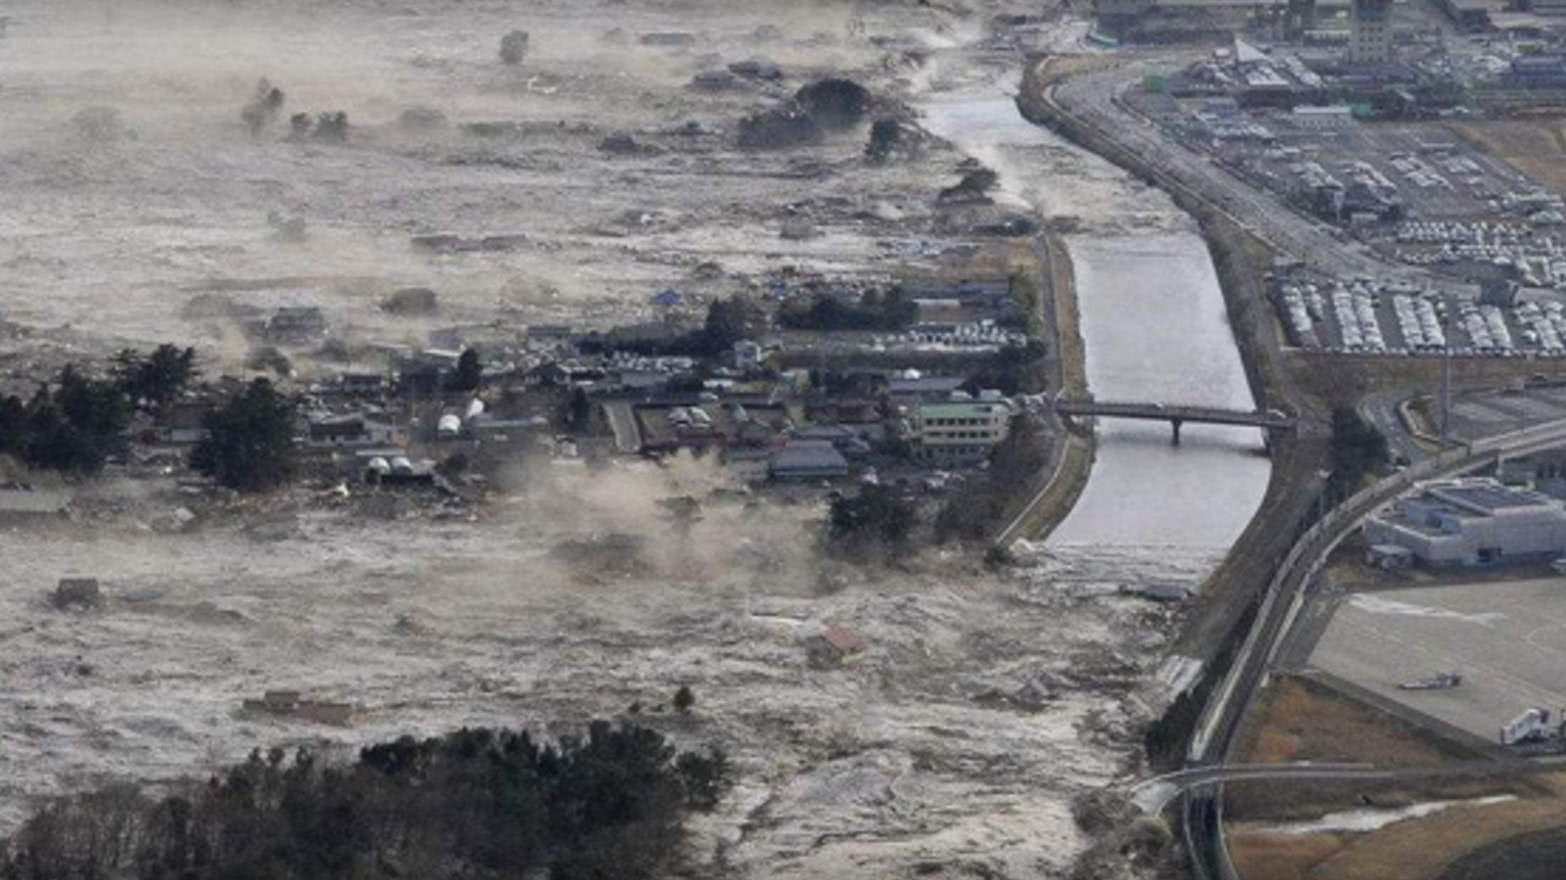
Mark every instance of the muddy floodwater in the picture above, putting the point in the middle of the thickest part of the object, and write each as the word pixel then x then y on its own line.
pixel 1154 330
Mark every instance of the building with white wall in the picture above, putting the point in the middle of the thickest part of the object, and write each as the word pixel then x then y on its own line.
pixel 1474 521
pixel 956 432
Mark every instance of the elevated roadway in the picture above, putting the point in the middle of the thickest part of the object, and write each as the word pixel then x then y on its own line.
pixel 1152 795
pixel 1214 736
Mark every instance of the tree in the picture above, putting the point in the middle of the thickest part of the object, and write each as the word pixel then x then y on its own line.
pixel 513 47
pixel 250 440
pixel 72 428
pixel 885 135
pixel 684 699
pixel 477 803
pixel 975 186
pixel 578 410
pixel 1357 449
pixel 154 380
pixel 877 518
pixel 706 777
pixel 469 370
pixel 729 321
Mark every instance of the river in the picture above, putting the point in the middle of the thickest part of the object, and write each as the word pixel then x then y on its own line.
pixel 1154 329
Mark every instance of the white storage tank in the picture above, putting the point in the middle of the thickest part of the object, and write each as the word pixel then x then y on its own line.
pixel 449 425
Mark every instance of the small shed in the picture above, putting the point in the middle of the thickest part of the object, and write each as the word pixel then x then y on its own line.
pixel 667 297
pixel 834 646
pixel 82 593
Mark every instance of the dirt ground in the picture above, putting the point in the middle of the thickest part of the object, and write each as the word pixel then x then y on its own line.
pixel 1302 721
pixel 1535 147
pixel 1412 849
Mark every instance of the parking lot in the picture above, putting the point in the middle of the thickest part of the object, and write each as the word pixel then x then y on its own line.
pixel 1506 639
pixel 1365 317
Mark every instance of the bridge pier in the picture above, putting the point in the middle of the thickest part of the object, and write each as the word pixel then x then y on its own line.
pixel 1175 424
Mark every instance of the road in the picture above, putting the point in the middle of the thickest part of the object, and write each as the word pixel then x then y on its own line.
pixel 1173 412
pixel 1287 594
pixel 1379 410
pixel 1152 795
pixel 1095 99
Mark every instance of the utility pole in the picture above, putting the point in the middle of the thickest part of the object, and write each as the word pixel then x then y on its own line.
pixel 1446 396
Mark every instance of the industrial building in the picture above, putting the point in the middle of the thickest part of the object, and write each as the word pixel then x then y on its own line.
pixel 1474 521
pixel 1370 32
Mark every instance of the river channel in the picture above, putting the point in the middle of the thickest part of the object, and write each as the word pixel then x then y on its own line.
pixel 1154 329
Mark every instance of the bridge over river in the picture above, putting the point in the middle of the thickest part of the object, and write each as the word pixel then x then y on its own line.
pixel 1176 415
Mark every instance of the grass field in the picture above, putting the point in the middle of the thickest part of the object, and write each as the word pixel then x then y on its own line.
pixel 1302 721
pixel 1413 849
pixel 1536 147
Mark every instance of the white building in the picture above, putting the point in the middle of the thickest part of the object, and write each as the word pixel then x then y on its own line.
pixel 1330 116
pixel 960 431
pixel 1475 521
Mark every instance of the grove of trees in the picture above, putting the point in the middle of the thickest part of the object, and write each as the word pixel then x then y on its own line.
pixel 76 424
pixel 250 440
pixel 877 519
pixel 892 310
pixel 478 804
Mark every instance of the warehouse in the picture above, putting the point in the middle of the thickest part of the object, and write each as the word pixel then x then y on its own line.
pixel 1475 521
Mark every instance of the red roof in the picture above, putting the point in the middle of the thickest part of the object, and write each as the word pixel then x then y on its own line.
pixel 845 640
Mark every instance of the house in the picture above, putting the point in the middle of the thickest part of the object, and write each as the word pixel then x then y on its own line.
pixel 421 378
pixel 292 704
pixel 362 383
pixel 834 646
pixel 747 354
pixel 911 386
pixel 21 503
pixel 548 373
pixel 808 460
pixel 848 440
pixel 350 430
pixel 78 592
pixel 296 324
pixel 750 464
pixel 842 408
pixel 667 297
pixel 549 332
pixel 183 422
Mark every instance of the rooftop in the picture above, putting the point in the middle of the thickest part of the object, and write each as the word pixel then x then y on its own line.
pixel 1483 496
pixel 961 409
pixel 809 455
pixel 32 501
